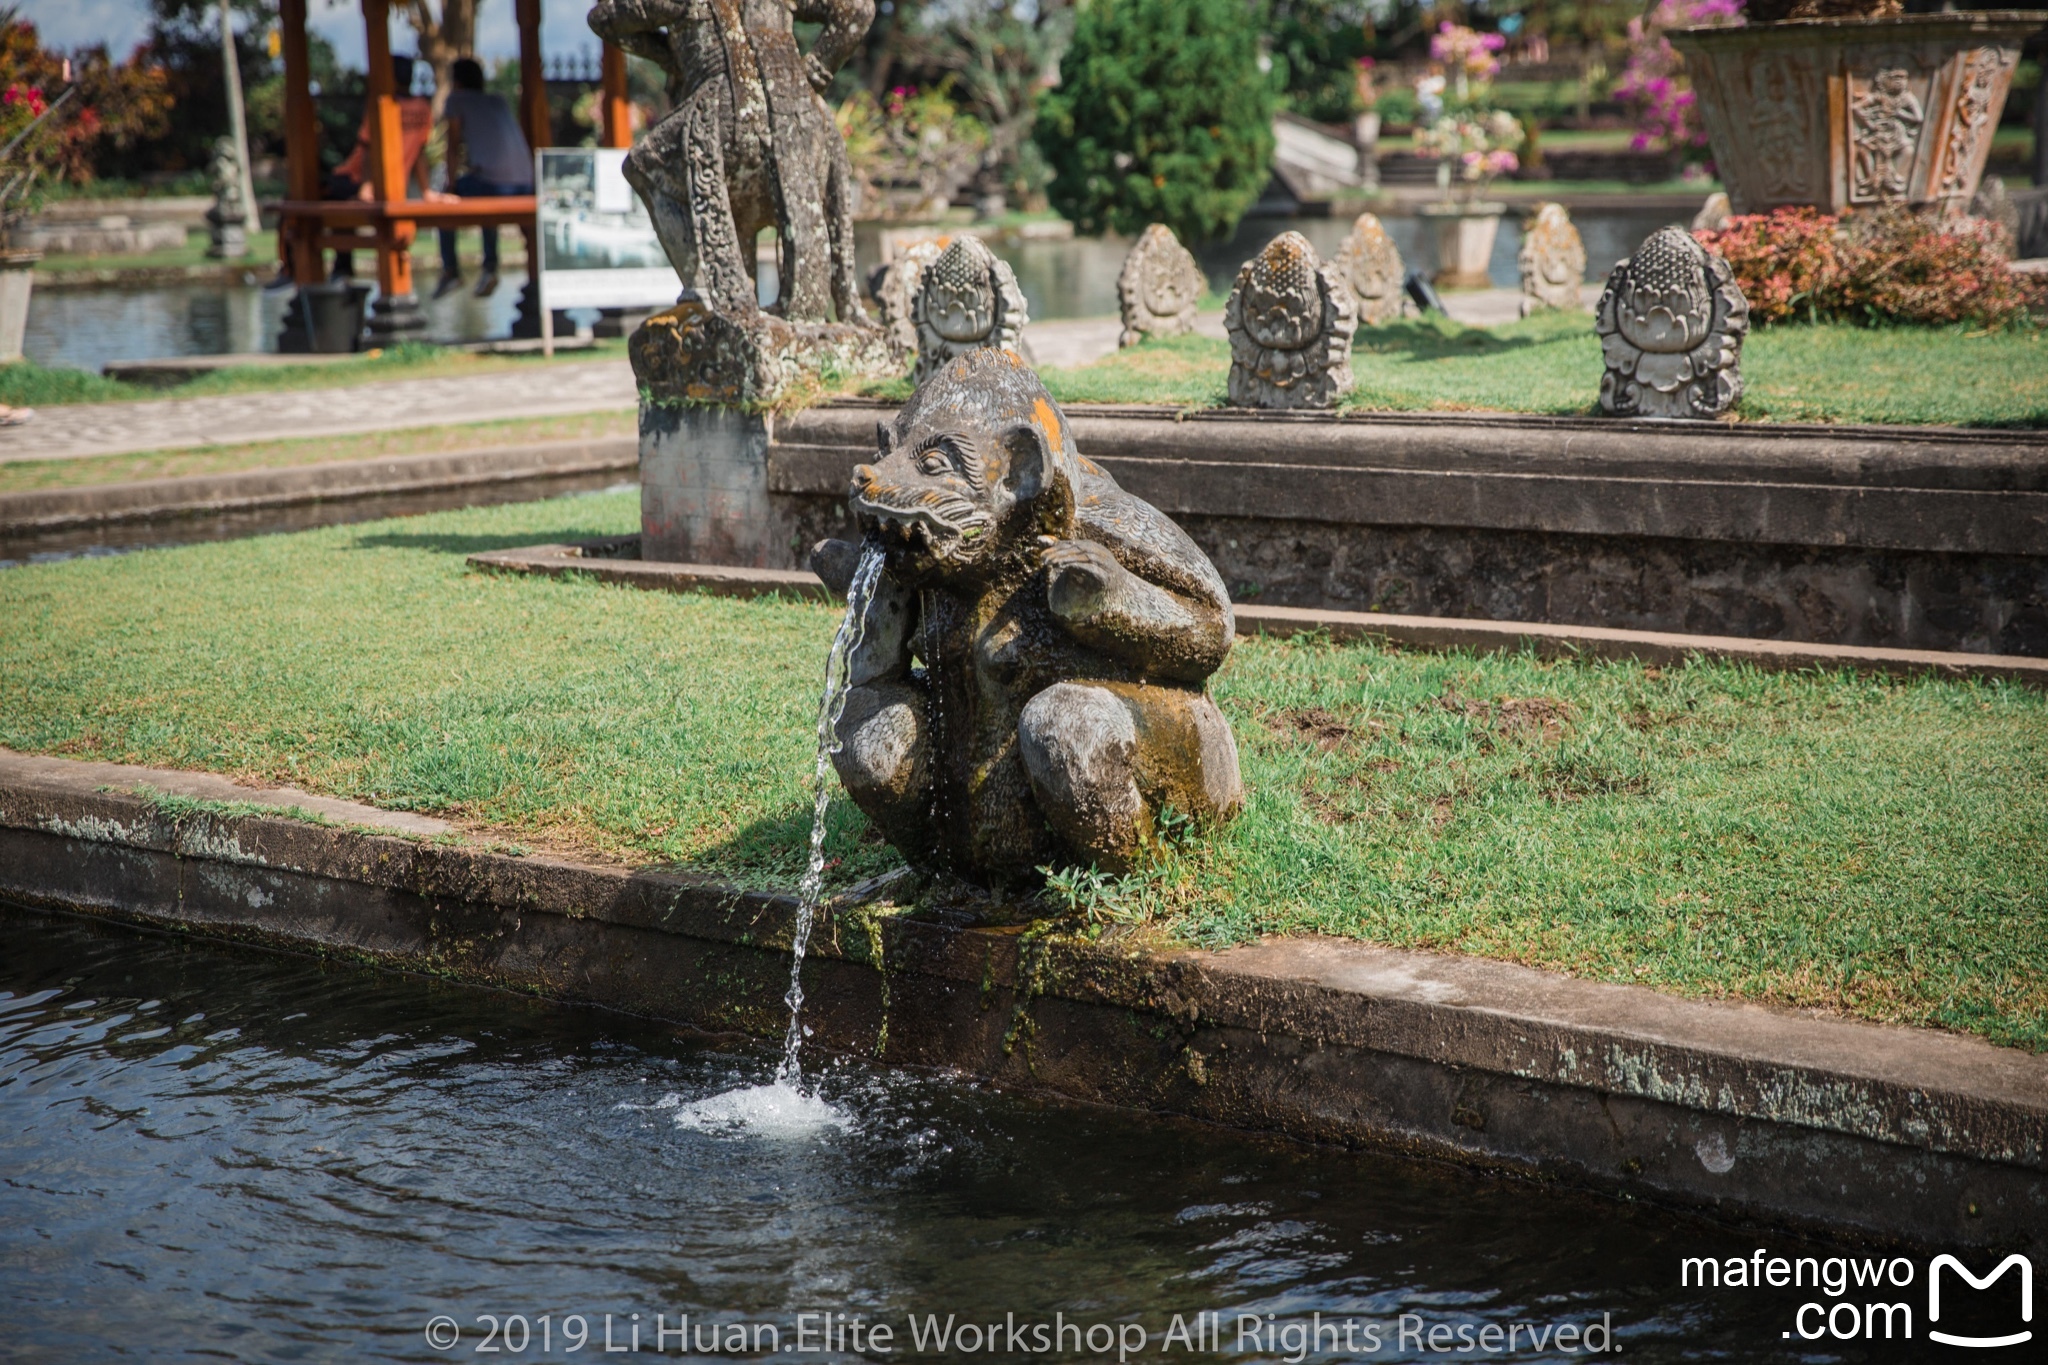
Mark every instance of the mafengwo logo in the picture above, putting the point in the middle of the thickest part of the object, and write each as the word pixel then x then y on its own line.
pixel 2012 1262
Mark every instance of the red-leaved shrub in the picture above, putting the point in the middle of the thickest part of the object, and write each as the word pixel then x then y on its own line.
pixel 1883 265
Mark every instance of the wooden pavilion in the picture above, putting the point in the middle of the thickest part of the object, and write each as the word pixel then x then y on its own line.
pixel 388 222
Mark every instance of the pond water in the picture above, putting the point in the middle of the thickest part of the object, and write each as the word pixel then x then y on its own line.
pixel 87 328
pixel 213 1151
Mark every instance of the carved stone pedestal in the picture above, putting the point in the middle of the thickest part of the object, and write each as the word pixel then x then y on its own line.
pixel 1465 234
pixel 1842 113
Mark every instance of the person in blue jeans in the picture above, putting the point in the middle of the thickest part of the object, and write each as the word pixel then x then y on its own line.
pixel 485 141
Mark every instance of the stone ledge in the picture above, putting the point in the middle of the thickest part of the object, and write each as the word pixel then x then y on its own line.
pixel 615 560
pixel 65 509
pixel 1942 489
pixel 1891 1132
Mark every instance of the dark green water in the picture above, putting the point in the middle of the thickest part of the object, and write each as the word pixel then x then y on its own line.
pixel 208 1152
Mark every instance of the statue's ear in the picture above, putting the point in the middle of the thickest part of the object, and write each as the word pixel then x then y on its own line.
pixel 1039 480
pixel 885 439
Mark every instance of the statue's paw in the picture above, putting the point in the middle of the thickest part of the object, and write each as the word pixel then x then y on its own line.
pixel 1077 575
pixel 816 74
pixel 834 561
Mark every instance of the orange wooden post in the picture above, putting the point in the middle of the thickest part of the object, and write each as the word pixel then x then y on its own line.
pixel 387 158
pixel 618 111
pixel 298 242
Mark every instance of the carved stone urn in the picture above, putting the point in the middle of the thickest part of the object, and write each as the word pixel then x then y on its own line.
pixel 1848 113
pixel 1465 234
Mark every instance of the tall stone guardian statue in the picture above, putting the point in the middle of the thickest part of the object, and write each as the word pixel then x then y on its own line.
pixel 749 145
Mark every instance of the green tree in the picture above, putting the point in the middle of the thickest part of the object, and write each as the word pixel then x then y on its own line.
pixel 1162 115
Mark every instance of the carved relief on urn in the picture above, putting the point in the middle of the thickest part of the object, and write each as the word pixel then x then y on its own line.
pixel 1158 288
pixel 1290 318
pixel 1553 261
pixel 1671 323
pixel 967 300
pixel 1835 113
pixel 1371 264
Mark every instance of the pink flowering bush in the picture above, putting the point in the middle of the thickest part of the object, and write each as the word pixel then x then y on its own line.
pixel 1886 265
pixel 1466 53
pixel 1653 83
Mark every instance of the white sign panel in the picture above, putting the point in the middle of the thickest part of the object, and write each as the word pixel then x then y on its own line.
pixel 597 244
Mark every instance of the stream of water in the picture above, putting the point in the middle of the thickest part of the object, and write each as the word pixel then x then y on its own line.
pixel 783 1105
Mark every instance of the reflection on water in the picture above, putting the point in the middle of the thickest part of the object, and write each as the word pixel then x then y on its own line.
pixel 86 328
pixel 211 1151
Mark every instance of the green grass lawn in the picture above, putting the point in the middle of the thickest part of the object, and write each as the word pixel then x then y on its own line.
pixel 1551 364
pixel 1876 847
pixel 27 383
pixel 30 476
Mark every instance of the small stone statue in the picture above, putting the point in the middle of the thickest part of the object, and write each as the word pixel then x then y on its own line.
pixel 966 300
pixel 1290 319
pixel 1371 262
pixel 1671 323
pixel 896 286
pixel 1158 287
pixel 1553 262
pixel 1064 630
pixel 227 221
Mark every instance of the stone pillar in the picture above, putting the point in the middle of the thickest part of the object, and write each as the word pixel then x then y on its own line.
pixel 704 488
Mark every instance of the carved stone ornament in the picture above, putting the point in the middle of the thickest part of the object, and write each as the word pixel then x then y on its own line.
pixel 1290 319
pixel 226 221
pixel 1158 288
pixel 1671 323
pixel 1028 684
pixel 1371 264
pixel 1553 261
pixel 895 287
pixel 750 145
pixel 967 300
pixel 1847 106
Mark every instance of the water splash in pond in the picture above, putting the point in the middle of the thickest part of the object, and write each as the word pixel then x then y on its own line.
pixel 831 706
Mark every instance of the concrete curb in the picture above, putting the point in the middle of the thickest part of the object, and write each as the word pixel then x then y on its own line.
pixel 613 561
pixel 66 509
pixel 1893 1133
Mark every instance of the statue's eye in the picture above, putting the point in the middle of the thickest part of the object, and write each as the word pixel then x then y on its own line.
pixel 934 462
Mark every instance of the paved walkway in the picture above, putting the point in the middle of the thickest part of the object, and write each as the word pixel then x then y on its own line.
pixel 551 390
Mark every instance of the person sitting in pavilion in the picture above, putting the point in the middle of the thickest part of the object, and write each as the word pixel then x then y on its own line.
pixel 484 139
pixel 352 178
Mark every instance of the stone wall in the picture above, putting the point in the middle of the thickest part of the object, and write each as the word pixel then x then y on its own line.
pixel 1905 538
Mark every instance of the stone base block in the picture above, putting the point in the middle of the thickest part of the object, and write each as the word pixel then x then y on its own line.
pixel 704 488
pixel 691 354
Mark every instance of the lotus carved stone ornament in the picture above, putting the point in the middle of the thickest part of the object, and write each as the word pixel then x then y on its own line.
pixel 1671 323
pixel 1158 288
pixel 1290 320
pixel 1028 686
pixel 966 300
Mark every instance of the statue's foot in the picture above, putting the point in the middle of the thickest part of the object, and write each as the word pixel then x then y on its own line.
pixel 1104 758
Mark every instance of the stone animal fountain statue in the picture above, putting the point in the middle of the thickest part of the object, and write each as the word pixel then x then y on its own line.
pixel 1027 686
pixel 749 145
